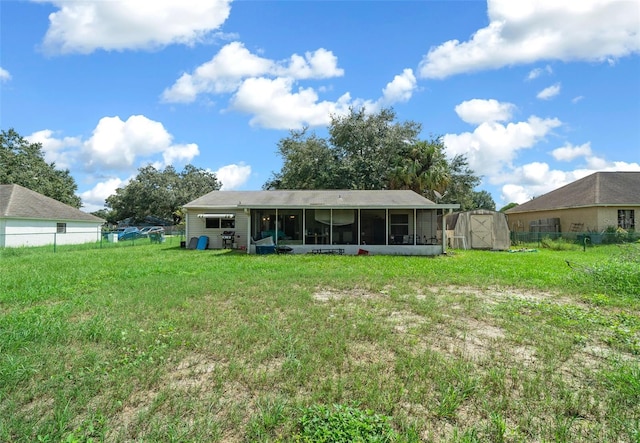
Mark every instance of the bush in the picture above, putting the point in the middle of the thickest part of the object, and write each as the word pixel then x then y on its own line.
pixel 344 424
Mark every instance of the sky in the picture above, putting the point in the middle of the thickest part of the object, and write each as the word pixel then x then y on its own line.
pixel 535 93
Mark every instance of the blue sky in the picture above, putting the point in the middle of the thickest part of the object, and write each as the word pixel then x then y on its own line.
pixel 536 93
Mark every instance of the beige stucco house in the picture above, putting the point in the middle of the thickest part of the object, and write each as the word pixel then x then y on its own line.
pixel 591 204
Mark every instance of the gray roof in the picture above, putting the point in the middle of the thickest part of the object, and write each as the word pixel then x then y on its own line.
pixel 19 202
pixel 306 199
pixel 599 189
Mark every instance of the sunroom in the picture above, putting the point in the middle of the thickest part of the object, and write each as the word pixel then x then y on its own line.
pixel 328 221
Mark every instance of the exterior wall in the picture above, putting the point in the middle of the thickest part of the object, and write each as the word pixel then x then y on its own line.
pixel 196 227
pixel 24 232
pixel 595 218
pixel 426 224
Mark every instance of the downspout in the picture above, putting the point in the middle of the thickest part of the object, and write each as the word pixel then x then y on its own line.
pixel 248 212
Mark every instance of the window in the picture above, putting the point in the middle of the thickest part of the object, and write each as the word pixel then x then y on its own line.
pixel 216 223
pixel 626 219
pixel 61 228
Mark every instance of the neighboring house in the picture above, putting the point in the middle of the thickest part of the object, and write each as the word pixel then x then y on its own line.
pixel 28 218
pixel 591 204
pixel 378 222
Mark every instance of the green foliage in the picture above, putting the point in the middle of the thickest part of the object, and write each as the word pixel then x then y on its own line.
pixel 508 206
pixel 483 200
pixel 160 193
pixel 22 163
pixel 618 273
pixel 558 244
pixel 373 151
pixel 339 423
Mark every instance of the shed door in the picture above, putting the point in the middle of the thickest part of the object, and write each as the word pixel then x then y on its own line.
pixel 481 231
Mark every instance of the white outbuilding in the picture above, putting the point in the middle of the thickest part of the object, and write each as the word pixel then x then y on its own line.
pixel 28 218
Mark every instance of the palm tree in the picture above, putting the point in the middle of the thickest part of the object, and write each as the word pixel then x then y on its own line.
pixel 422 167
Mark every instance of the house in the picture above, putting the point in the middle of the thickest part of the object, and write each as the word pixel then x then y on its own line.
pixel 331 221
pixel 479 229
pixel 592 204
pixel 28 218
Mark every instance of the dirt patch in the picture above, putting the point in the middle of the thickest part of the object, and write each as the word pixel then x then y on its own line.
pixel 326 295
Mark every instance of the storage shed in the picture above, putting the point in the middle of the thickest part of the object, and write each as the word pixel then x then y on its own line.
pixel 479 229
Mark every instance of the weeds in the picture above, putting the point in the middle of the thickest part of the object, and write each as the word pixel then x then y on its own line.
pixel 157 343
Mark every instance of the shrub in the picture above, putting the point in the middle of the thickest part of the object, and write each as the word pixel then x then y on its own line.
pixel 344 424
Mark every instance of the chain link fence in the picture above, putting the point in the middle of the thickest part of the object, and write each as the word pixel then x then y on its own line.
pixel 613 236
pixel 52 241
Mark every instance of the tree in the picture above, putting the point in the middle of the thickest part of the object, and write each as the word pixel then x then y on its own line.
pixel 309 164
pixel 373 152
pixel 508 206
pixel 160 193
pixel 461 184
pixel 422 167
pixel 367 145
pixel 22 163
pixel 483 200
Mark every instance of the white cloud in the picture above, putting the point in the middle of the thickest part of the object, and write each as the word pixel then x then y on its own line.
pixel 478 111
pixel 549 93
pixel 527 31
pixel 85 26
pixel 61 151
pixel 318 64
pixel 234 63
pixel 400 89
pixel 270 90
pixel 94 199
pixel 537 72
pixel 568 152
pixel 493 146
pixel 117 144
pixel 233 176
pixel 274 104
pixel 577 99
pixel 4 75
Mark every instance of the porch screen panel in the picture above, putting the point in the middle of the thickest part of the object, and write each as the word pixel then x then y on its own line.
pixel 427 227
pixel 290 225
pixel 317 227
pixel 344 226
pixel 373 226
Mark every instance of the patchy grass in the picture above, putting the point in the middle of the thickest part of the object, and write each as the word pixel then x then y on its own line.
pixel 158 343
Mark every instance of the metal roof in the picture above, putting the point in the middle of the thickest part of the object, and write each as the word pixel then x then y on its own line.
pixel 19 202
pixel 314 198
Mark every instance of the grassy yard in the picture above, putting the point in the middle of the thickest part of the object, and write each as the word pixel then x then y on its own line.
pixel 158 343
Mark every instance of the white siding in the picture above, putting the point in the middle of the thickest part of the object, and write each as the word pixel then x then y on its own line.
pixel 25 232
pixel 196 227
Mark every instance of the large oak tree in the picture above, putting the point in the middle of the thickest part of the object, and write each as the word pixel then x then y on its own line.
pixel 160 193
pixel 374 151
pixel 22 163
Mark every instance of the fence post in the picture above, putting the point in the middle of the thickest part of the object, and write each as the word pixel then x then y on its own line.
pixel 55 238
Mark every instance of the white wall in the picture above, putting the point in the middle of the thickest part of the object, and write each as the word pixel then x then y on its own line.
pixel 25 232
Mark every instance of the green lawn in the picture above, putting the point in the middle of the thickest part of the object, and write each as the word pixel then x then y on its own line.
pixel 158 343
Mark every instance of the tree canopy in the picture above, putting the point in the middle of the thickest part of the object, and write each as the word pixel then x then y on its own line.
pixel 374 151
pixel 159 193
pixel 22 163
